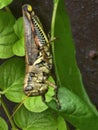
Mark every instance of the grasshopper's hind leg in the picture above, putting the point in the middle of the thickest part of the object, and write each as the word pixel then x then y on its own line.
pixel 43 98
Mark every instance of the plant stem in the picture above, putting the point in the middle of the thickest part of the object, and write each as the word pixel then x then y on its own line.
pixel 53 17
pixel 8 10
pixel 8 114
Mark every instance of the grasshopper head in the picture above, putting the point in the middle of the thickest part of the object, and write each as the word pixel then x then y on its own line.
pixel 28 9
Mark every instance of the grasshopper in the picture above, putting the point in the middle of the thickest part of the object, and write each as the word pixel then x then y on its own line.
pixel 38 56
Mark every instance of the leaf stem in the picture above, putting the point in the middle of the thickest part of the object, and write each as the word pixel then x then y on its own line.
pixel 8 114
pixel 8 9
pixel 53 17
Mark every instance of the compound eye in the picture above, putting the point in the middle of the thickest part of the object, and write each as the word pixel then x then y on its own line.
pixel 29 8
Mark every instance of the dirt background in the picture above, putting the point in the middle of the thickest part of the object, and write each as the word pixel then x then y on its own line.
pixel 83 15
pixel 84 21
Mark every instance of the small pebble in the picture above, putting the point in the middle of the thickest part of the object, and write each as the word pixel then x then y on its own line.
pixel 93 54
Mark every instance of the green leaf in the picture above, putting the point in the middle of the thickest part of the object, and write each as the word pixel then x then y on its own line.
pixel 3 124
pixel 75 104
pixel 35 104
pixel 35 121
pixel 66 68
pixel 18 47
pixel 61 123
pixel 18 28
pixel 4 3
pixel 7 35
pixel 11 79
pixel 75 110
